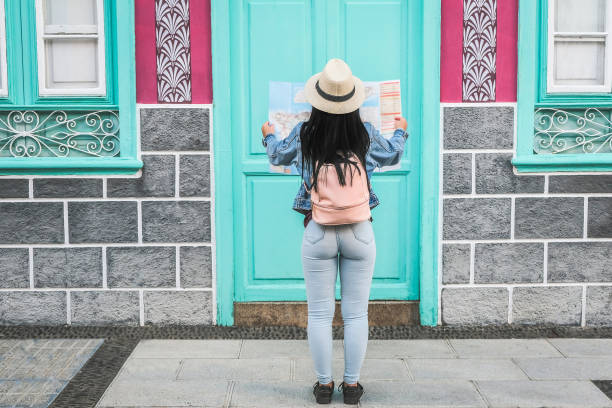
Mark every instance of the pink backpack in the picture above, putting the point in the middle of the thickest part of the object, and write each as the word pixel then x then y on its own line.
pixel 334 204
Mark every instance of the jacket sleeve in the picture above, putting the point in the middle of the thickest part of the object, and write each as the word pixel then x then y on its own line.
pixel 282 152
pixel 386 152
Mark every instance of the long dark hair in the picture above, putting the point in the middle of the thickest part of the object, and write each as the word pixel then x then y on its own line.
pixel 328 138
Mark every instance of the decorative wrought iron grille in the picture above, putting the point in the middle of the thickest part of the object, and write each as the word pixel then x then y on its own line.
pixel 59 133
pixel 585 130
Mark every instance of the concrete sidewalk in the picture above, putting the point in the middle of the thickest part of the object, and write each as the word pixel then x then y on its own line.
pixel 396 373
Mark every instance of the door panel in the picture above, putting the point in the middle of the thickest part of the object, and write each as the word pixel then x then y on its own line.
pixel 290 40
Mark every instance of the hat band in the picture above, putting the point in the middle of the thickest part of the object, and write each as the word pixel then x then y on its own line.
pixel 334 98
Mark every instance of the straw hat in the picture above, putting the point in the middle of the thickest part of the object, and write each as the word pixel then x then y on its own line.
pixel 335 89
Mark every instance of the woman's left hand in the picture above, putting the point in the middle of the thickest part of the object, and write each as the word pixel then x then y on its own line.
pixel 267 128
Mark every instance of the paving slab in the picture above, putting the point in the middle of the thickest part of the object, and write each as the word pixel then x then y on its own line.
pixel 543 394
pixel 187 349
pixel 421 394
pixel 155 393
pixel 503 348
pixel 567 368
pixel 583 347
pixel 150 368
pixel 409 348
pixel 468 369
pixel 272 369
pixel 283 348
pixel 279 394
pixel 371 369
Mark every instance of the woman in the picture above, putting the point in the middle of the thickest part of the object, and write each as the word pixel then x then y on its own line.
pixel 334 131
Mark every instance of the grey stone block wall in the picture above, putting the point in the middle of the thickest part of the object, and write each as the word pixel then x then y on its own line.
pixel 518 248
pixel 115 250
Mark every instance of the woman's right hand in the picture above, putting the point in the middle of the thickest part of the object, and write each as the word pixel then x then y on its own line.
pixel 401 123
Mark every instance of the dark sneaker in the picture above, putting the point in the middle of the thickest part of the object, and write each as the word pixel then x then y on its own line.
pixel 323 393
pixel 351 394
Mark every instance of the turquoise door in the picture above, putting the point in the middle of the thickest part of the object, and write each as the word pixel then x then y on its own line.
pixel 290 40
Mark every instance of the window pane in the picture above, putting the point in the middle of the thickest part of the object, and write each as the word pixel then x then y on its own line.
pixel 70 12
pixel 579 63
pixel 72 63
pixel 580 15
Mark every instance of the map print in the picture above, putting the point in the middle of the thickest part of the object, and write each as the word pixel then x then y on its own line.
pixel 288 106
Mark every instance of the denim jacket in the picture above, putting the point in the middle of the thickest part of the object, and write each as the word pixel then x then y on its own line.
pixel 382 152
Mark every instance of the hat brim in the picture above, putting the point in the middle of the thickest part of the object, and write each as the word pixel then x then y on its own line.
pixel 316 100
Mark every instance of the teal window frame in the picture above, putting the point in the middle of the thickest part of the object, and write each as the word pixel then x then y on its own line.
pixel 22 66
pixel 532 94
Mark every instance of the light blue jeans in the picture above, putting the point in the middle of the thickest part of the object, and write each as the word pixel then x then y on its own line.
pixel 324 248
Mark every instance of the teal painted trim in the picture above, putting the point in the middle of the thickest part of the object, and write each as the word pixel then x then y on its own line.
pixel 12 12
pixel 121 94
pixel 30 58
pixel 222 150
pixel 430 180
pixel 527 75
pixel 531 94
pixel 565 162
pixel 57 165
pixel 126 78
pixel 597 98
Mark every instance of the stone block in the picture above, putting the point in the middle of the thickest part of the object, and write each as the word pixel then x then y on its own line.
pixel 562 368
pixel 476 218
pixel 136 267
pixel 599 306
pixel 555 305
pixel 509 263
pixel 185 349
pixel 67 188
pixel 14 268
pixel 33 308
pixel 464 369
pixel 103 221
pixel 455 263
pixel 550 217
pixel 475 306
pixel 581 183
pixel 579 262
pixel 494 175
pixel 599 224
pixel 194 177
pixel 157 179
pixel 31 223
pixel 176 221
pixel 582 347
pixel 457 173
pixel 478 127
pixel 196 267
pixel 178 307
pixel 174 129
pixel 104 308
pixel 14 188
pixel 67 267
pixel 504 348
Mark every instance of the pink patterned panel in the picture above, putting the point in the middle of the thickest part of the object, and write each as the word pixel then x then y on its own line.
pixel 173 51
pixel 201 63
pixel 479 50
pixel 146 79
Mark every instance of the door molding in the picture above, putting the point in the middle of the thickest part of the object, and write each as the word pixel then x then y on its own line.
pixel 429 180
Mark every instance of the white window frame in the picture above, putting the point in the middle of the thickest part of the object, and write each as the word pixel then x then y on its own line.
pixel 61 31
pixel 3 62
pixel 552 87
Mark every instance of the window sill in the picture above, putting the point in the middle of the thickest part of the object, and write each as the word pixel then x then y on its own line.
pixel 68 166
pixel 565 163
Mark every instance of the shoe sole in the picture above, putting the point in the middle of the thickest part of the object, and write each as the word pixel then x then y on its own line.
pixel 323 399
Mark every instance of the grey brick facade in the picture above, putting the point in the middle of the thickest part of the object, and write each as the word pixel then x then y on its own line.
pixel 115 250
pixel 518 248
